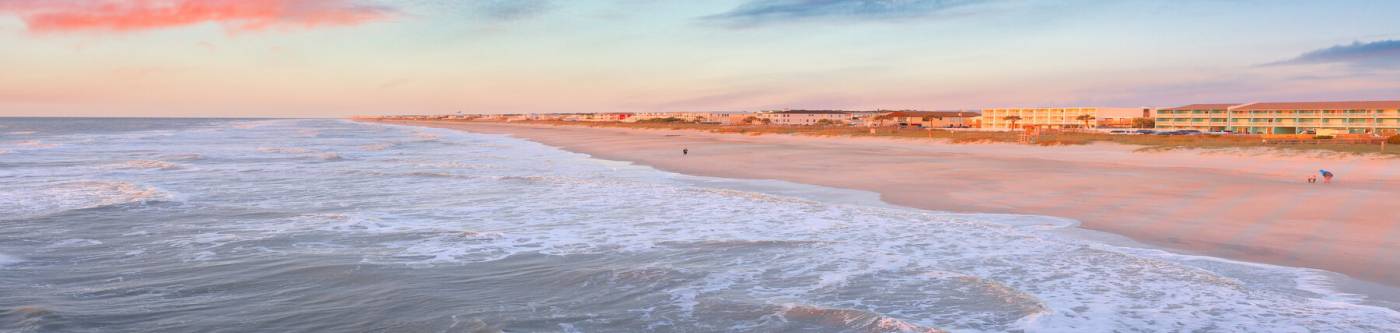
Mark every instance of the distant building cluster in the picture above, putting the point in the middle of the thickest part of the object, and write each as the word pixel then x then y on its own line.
pixel 1355 117
pixel 1062 118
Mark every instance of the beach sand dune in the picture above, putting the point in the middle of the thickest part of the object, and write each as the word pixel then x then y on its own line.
pixel 1241 205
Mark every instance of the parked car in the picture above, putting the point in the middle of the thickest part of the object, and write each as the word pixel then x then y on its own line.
pixel 1122 132
pixel 1189 132
pixel 1146 132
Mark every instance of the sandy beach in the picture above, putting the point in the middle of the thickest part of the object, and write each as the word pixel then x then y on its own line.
pixel 1245 205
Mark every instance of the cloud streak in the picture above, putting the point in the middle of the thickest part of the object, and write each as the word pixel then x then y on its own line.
pixel 1378 54
pixel 765 12
pixel 507 10
pixel 55 16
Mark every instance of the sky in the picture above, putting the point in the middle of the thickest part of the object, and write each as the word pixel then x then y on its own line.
pixel 332 58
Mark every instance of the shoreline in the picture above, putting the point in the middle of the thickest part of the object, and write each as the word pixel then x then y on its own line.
pixel 1231 206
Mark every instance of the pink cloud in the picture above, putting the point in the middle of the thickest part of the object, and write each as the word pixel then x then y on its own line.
pixel 49 16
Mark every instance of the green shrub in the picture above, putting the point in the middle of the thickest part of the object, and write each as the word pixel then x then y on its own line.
pixel 1394 139
pixel 1323 137
pixel 662 120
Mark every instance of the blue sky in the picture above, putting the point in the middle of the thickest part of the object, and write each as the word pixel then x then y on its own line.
pixel 339 57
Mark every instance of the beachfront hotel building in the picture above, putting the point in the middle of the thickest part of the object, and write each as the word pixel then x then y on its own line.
pixel 1061 117
pixel 1202 117
pixel 808 117
pixel 1354 117
pixel 924 119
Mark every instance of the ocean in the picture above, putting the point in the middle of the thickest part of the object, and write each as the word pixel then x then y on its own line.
pixel 317 225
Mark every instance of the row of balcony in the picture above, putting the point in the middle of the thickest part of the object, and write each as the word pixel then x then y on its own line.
pixel 1339 116
pixel 1285 124
pixel 1279 111
pixel 1290 120
pixel 1390 114
pixel 1303 121
pixel 1242 124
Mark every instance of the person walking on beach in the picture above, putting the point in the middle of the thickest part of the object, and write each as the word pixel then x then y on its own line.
pixel 1326 176
pixel 685 151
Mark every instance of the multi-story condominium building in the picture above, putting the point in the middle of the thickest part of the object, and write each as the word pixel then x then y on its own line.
pixel 808 117
pixel 1060 117
pixel 1203 117
pixel 1356 117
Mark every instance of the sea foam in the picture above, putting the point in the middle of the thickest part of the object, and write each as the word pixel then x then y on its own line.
pixel 7 260
pixel 148 164
pixel 27 201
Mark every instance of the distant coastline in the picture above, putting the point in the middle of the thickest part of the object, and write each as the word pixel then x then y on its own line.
pixel 1243 205
pixel 1361 145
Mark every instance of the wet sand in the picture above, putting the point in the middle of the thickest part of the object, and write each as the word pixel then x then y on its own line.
pixel 1246 205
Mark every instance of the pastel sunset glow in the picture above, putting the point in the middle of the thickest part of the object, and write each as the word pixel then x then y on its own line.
pixel 125 16
pixel 344 57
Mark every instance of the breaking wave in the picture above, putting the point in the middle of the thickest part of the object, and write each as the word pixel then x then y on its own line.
pixel 7 260
pixel 34 144
pixel 184 157
pixel 149 164
pixel 329 156
pixel 285 150
pixel 848 320
pixel 40 200
pixel 377 146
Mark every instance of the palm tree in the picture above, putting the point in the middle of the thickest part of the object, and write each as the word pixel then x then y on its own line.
pixel 1144 123
pixel 1013 120
pixel 751 120
pixel 1085 118
pixel 880 119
